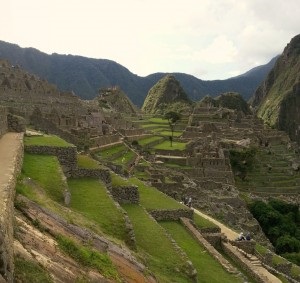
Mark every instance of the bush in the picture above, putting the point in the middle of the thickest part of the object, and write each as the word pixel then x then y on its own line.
pixel 242 161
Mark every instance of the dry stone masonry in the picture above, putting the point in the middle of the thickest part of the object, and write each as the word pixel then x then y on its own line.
pixel 11 155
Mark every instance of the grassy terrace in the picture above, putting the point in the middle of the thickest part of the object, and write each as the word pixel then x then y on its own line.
pixel 208 269
pixel 202 222
pixel 169 133
pixel 157 249
pixel 89 197
pixel 45 171
pixel 148 140
pixel 84 161
pixel 166 145
pixel 125 158
pixel 107 152
pixel 151 198
pixel 46 140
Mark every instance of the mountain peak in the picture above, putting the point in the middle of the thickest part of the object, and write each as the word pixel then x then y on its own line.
pixel 164 93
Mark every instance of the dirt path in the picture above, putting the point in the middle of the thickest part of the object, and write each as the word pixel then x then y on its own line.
pixel 231 235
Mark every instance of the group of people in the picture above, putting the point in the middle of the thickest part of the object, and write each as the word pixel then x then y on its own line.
pixel 187 201
pixel 243 237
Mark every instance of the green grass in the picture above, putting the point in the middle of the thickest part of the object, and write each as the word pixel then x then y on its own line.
pixel 107 152
pixel 116 180
pixel 84 161
pixel 261 249
pixel 89 197
pixel 125 158
pixel 29 271
pixel 201 222
pixel 46 140
pixel 158 121
pixel 169 133
pixel 159 253
pixel 150 125
pixel 166 145
pixel 148 140
pixel 45 170
pixel 276 260
pixel 208 269
pixel 151 198
pixel 295 271
pixel 88 257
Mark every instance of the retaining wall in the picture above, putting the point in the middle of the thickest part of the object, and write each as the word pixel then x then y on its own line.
pixel 171 215
pixel 102 174
pixel 7 194
pixel 3 120
pixel 244 263
pixel 125 194
pixel 67 156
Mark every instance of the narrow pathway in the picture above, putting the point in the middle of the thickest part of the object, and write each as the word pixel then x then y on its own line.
pixel 232 235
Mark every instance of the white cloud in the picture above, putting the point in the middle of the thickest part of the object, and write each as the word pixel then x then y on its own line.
pixel 210 39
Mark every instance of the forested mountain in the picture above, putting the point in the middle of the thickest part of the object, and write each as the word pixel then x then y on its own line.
pixel 277 98
pixel 85 76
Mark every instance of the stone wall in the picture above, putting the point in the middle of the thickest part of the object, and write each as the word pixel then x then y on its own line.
pixel 16 123
pixel 3 120
pixel 102 174
pixel 67 156
pixel 125 194
pixel 283 267
pixel 7 194
pixel 246 246
pixel 105 140
pixel 171 215
pixel 241 261
pixel 131 132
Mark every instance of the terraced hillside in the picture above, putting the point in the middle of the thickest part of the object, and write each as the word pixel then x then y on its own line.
pixel 275 171
pixel 92 209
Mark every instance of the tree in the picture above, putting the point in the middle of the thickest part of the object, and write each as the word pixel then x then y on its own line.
pixel 173 118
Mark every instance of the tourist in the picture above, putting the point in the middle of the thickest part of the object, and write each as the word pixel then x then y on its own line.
pixel 189 202
pixel 241 237
pixel 248 237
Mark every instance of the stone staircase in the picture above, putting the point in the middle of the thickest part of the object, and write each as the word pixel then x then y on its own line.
pixel 252 258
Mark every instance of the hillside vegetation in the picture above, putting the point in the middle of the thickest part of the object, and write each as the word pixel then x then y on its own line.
pixel 85 76
pixel 277 98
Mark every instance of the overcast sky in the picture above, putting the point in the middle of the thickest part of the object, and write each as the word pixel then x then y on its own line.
pixel 210 39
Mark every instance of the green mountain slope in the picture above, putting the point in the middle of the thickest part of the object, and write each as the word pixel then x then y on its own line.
pixel 277 98
pixel 85 76
pixel 164 94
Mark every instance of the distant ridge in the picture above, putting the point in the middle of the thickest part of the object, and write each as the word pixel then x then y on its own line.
pixel 85 76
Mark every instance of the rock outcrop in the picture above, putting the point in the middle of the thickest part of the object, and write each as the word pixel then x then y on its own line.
pixel 277 99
